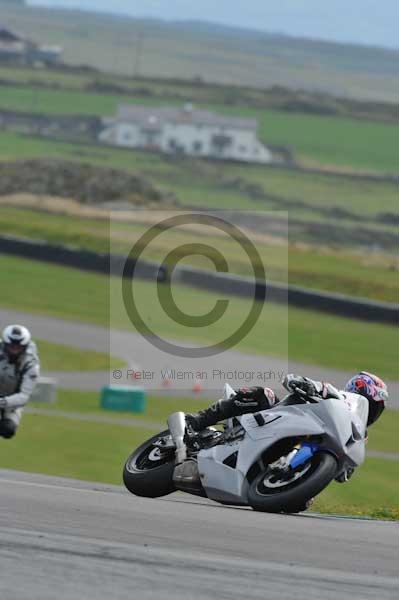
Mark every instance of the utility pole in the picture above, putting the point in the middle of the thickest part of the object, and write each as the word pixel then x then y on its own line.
pixel 116 48
pixel 139 54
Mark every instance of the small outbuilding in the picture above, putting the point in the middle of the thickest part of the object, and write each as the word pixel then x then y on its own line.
pixel 17 48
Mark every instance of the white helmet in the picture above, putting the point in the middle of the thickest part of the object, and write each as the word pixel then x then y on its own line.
pixel 16 334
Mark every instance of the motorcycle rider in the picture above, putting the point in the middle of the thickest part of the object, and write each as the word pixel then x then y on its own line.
pixel 19 372
pixel 254 399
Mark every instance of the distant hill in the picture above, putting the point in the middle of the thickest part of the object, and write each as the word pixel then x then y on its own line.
pixel 211 52
pixel 14 2
pixel 357 21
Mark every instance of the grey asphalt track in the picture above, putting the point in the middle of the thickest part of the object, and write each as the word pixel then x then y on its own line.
pixel 63 539
pixel 141 355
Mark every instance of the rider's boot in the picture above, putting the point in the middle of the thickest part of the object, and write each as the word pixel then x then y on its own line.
pixel 345 475
pixel 245 401
pixel 219 411
pixel 177 428
pixel 186 469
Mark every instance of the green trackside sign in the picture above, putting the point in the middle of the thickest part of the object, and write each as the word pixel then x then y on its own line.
pixel 123 398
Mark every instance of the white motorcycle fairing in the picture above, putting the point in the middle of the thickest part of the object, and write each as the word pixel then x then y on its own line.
pixel 339 425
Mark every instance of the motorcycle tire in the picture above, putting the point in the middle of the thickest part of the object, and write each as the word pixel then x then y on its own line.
pixel 148 472
pixel 294 497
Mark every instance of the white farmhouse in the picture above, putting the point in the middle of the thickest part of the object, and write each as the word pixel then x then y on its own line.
pixel 185 131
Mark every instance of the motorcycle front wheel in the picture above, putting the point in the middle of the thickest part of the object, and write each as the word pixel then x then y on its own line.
pixel 149 469
pixel 277 491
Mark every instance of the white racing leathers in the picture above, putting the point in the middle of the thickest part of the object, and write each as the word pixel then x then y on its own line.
pixel 17 381
pixel 356 404
pixel 368 409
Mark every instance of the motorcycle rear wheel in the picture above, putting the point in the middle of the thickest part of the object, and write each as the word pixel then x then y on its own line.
pixel 292 497
pixel 148 471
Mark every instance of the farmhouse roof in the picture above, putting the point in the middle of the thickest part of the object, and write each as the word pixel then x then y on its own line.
pixel 156 117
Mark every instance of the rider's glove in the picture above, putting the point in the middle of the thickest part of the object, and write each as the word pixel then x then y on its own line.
pixel 328 391
pixel 291 382
pixel 247 393
pixel 3 403
pixel 261 397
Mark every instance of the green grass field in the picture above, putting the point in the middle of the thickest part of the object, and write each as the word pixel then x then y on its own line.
pixel 317 140
pixel 158 407
pixel 216 184
pixel 329 141
pixel 322 209
pixel 384 434
pixel 362 197
pixel 24 75
pixel 373 491
pixel 180 90
pixel 224 56
pixel 59 446
pixel 333 270
pixel 57 357
pixel 300 334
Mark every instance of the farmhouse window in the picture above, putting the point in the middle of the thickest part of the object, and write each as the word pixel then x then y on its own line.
pixel 220 142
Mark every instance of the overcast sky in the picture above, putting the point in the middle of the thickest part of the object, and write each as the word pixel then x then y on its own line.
pixel 373 22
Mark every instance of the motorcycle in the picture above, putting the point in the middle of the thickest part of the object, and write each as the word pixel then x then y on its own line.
pixel 274 461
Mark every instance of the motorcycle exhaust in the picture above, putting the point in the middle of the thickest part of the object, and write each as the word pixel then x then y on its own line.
pixel 177 428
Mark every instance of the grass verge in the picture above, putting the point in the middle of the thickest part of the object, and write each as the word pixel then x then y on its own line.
pixel 297 333
pixel 383 435
pixel 310 266
pixel 224 185
pixel 317 139
pixel 373 491
pixel 77 449
pixel 88 403
pixel 56 357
